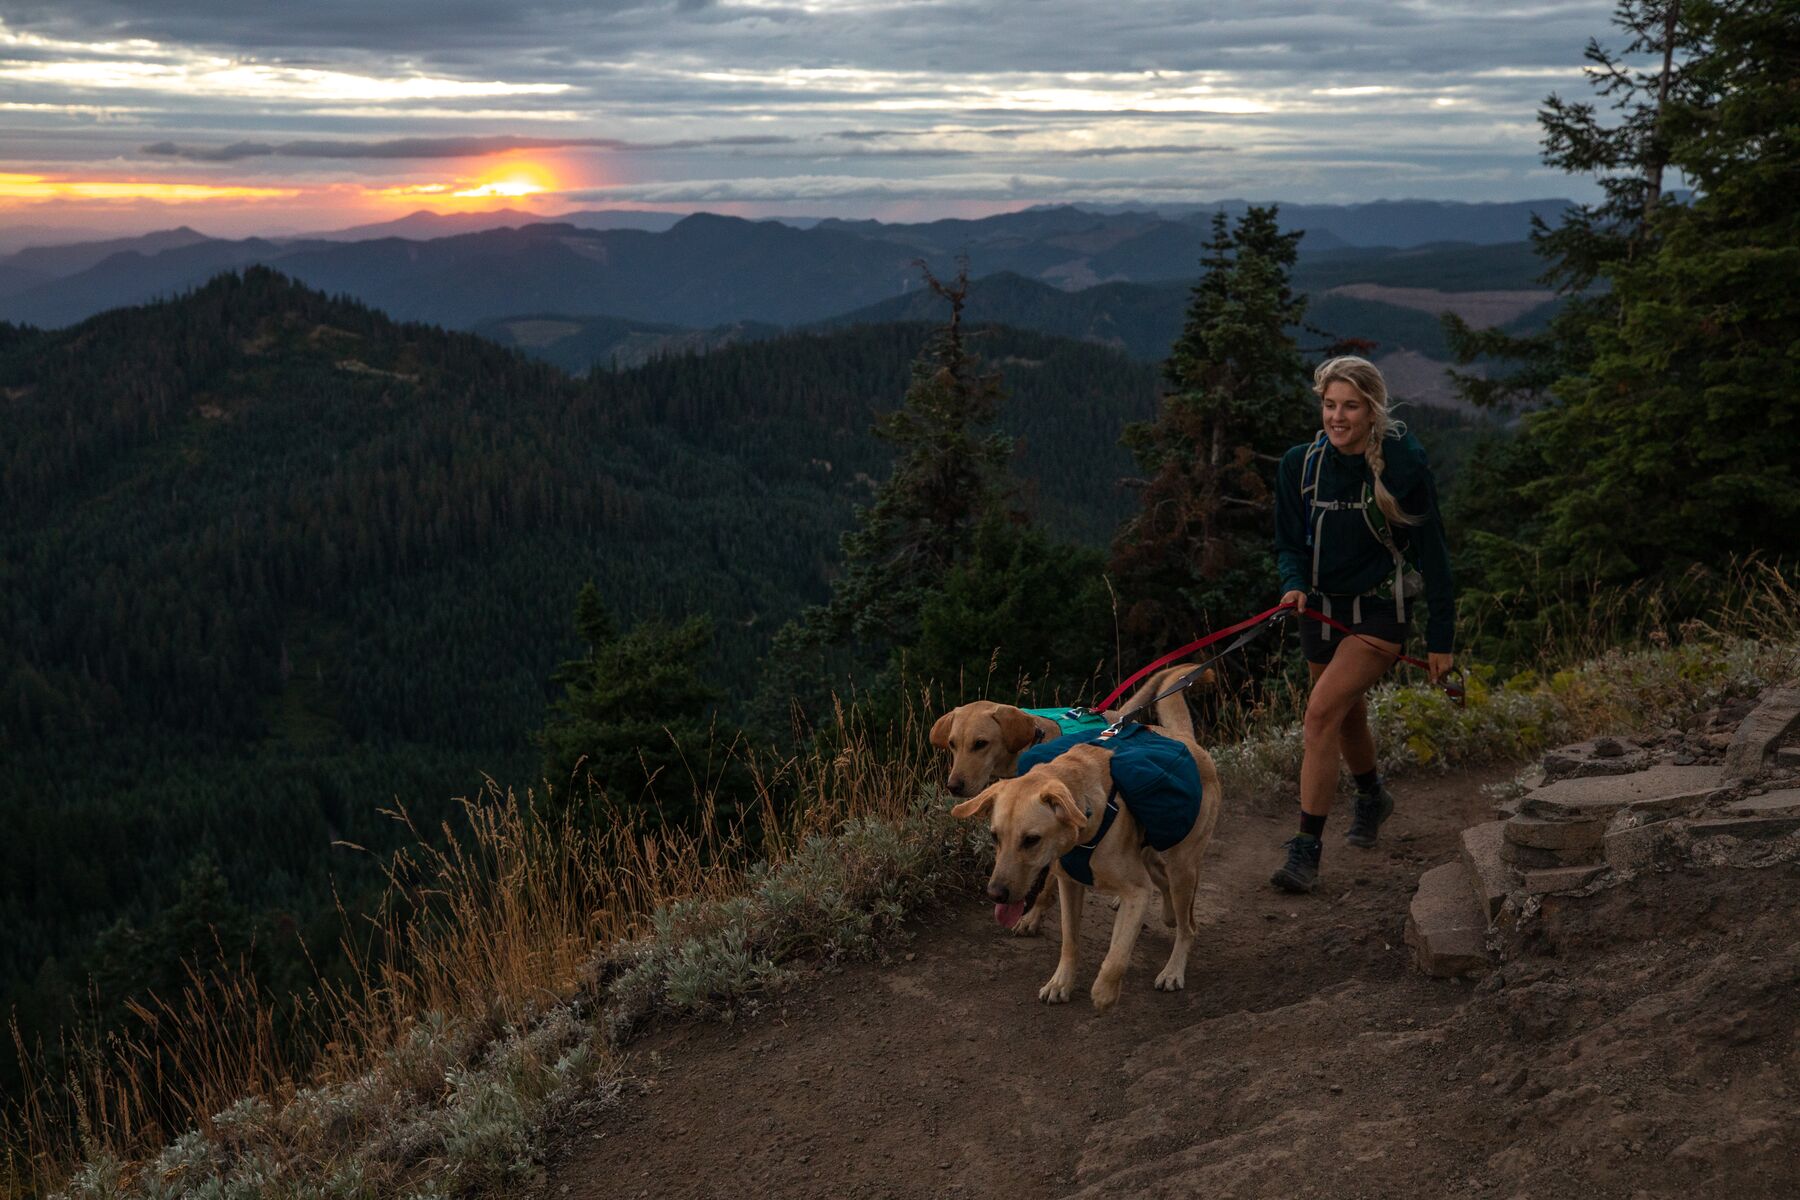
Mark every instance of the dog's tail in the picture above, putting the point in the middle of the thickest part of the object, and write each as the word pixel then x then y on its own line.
pixel 1171 712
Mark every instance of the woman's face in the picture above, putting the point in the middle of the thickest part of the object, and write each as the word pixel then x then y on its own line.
pixel 1347 417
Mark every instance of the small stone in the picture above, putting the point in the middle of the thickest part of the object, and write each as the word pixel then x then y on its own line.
pixel 910 956
pixel 1608 747
pixel 1337 1089
pixel 1684 760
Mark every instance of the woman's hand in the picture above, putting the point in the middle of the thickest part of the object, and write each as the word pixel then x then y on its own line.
pixel 1437 666
pixel 1295 600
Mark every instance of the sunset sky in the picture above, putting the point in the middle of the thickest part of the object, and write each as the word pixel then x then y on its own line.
pixel 241 116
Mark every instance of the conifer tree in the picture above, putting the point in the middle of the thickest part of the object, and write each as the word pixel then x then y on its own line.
pixel 949 472
pixel 634 721
pixel 1669 437
pixel 1199 549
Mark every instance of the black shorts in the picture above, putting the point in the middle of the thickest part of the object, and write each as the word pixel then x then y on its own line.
pixel 1378 621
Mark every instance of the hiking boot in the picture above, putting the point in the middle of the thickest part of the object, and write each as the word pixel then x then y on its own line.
pixel 1301 871
pixel 1372 808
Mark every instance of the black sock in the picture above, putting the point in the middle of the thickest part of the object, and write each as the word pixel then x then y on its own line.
pixel 1368 781
pixel 1313 825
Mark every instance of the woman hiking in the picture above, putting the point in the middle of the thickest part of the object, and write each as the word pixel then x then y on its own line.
pixel 1359 538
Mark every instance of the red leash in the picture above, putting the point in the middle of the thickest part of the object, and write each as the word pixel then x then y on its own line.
pixel 1172 655
pixel 1453 690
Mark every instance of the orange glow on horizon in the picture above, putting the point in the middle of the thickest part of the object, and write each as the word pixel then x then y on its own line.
pixel 39 187
pixel 506 180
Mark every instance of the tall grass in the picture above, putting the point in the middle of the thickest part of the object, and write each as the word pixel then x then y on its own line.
pixel 519 945
pixel 494 929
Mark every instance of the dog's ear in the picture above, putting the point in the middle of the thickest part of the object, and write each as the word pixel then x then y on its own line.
pixel 1017 729
pixel 940 732
pixel 1061 800
pixel 975 805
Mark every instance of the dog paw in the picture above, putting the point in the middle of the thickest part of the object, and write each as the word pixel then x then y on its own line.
pixel 1027 925
pixel 1105 994
pixel 1056 991
pixel 1171 980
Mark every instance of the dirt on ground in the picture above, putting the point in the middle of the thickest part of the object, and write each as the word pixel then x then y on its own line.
pixel 1642 1042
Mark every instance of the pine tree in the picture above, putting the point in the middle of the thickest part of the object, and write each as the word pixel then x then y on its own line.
pixel 1670 434
pixel 634 722
pixel 1199 550
pixel 949 472
pixel 1680 442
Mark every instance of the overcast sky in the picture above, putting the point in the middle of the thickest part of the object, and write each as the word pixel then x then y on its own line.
pixel 233 114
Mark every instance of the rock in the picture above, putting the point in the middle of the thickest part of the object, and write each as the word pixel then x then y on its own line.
pixel 1546 833
pixel 1771 720
pixel 1533 858
pixel 1636 847
pixel 1489 878
pixel 1561 879
pixel 1788 756
pixel 1661 789
pixel 1772 804
pixel 1445 928
pixel 1602 756
pixel 1746 827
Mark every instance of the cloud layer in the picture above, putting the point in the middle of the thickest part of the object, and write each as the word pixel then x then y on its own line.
pixel 777 101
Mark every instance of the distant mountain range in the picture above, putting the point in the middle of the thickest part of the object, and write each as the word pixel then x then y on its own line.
pixel 1382 296
pixel 706 270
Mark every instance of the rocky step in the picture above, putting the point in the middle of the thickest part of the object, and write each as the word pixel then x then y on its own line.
pixel 1445 927
pixel 1561 879
pixel 1783 803
pixel 1769 722
pixel 1490 878
pixel 1662 790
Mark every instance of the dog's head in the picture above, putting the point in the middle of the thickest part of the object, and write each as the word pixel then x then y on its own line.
pixel 984 740
pixel 1035 818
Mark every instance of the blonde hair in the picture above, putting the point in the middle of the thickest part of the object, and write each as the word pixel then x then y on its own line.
pixel 1365 378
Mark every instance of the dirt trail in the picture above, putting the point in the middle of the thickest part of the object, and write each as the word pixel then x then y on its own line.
pixel 1305 1058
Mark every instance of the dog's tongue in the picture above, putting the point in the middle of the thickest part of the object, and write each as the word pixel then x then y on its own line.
pixel 1009 914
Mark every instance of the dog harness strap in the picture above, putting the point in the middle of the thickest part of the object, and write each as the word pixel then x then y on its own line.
pixel 1106 819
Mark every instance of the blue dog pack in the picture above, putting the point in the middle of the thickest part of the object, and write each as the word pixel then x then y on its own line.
pixel 1156 777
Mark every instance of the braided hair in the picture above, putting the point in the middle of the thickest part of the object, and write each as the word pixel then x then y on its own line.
pixel 1365 377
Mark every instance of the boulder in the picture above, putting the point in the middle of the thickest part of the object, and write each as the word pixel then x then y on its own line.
pixel 1777 714
pixel 1489 877
pixel 1445 928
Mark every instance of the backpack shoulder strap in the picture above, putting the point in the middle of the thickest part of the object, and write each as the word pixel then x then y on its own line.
pixel 1309 469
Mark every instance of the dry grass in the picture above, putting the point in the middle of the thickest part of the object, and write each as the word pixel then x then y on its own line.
pixel 490 930
pixel 516 946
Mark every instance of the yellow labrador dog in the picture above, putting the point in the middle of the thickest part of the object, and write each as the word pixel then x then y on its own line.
pixel 985 739
pixel 1059 805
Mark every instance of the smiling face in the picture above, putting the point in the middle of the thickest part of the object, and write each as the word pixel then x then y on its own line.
pixel 1348 417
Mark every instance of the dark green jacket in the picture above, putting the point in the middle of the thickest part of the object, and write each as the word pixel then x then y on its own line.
pixel 1352 561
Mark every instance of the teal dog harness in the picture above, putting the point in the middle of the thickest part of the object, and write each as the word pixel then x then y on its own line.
pixel 1154 776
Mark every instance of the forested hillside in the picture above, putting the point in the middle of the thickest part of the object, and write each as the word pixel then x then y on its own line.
pixel 269 561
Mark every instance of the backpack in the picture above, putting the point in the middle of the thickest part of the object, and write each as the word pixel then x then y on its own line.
pixel 1380 528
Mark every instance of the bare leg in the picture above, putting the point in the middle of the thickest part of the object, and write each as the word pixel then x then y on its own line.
pixel 1118 956
pixel 1062 984
pixel 1337 690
